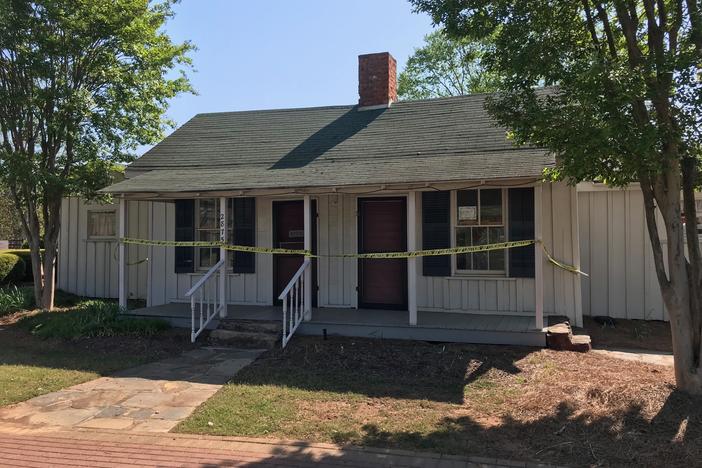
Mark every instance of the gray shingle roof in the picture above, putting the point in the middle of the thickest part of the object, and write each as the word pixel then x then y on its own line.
pixel 413 141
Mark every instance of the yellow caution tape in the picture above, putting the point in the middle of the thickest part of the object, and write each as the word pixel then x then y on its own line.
pixel 390 255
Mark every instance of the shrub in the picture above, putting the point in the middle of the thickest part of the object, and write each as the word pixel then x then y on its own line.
pixel 27 257
pixel 91 319
pixel 12 268
pixel 13 299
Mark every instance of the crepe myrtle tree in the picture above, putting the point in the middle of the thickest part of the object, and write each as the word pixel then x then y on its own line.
pixel 613 89
pixel 82 83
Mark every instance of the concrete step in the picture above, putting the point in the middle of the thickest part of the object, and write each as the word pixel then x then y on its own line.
pixel 257 326
pixel 243 339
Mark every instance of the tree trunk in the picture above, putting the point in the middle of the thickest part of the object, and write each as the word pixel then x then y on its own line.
pixel 680 302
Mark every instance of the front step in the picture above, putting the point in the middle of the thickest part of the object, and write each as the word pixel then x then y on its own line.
pixel 243 339
pixel 560 337
pixel 255 326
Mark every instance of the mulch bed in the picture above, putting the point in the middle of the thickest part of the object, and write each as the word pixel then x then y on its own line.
pixel 651 335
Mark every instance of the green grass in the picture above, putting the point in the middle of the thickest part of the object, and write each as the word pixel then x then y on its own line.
pixel 90 319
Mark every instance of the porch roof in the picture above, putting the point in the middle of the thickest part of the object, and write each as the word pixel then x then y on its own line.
pixel 447 139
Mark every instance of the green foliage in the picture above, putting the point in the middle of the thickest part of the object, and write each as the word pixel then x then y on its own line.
pixel 10 225
pixel 625 90
pixel 25 255
pixel 83 83
pixel 12 268
pixel 90 319
pixel 446 66
pixel 14 299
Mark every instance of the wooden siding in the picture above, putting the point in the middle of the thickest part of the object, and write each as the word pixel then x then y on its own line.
pixel 88 267
pixel 482 294
pixel 616 253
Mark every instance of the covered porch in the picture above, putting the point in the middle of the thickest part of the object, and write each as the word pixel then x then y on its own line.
pixel 372 323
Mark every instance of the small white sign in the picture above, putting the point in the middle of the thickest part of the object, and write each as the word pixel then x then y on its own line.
pixel 467 213
pixel 296 234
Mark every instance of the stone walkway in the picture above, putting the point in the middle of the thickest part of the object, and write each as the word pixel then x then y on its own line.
pixel 150 398
pixel 99 448
pixel 648 357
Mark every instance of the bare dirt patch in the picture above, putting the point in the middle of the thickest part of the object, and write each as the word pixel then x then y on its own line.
pixel 505 402
pixel 650 335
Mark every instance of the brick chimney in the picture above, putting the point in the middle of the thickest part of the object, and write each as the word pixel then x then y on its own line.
pixel 377 80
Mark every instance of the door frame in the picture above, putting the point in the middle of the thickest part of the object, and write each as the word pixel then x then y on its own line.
pixel 315 228
pixel 359 244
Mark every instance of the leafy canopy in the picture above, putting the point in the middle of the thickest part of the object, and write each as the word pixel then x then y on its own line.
pixel 445 66
pixel 625 76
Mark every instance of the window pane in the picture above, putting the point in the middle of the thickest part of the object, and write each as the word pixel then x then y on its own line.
pixel 480 259
pixel 491 206
pixel 497 257
pixel 208 257
pixel 101 223
pixel 208 214
pixel 463 240
pixel 467 204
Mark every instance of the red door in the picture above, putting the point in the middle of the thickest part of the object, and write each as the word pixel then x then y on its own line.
pixel 289 233
pixel 382 228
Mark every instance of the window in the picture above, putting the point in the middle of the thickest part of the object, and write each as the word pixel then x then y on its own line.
pixel 241 215
pixel 480 220
pixel 101 224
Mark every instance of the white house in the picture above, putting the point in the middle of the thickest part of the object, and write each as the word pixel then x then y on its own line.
pixel 380 176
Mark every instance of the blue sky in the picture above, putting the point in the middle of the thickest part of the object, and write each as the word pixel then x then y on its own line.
pixel 294 53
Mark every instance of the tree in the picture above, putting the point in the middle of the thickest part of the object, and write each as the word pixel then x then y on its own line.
pixel 82 83
pixel 10 226
pixel 625 107
pixel 444 66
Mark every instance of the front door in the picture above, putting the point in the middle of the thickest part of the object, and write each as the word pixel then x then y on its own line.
pixel 382 228
pixel 289 233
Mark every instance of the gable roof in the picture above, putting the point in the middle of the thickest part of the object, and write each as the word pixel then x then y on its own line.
pixel 443 139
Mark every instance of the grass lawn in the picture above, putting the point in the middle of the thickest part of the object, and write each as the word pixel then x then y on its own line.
pixel 33 364
pixel 504 402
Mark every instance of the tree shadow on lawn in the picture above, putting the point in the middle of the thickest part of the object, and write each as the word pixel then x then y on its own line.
pixel 382 368
pixel 626 438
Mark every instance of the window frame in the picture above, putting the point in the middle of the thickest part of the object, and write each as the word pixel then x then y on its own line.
pixel 504 273
pixel 113 212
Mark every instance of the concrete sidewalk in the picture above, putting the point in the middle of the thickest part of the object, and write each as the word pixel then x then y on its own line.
pixel 648 357
pixel 95 448
pixel 150 398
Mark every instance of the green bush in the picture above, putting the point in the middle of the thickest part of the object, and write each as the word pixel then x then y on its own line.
pixel 13 299
pixel 27 257
pixel 12 268
pixel 90 319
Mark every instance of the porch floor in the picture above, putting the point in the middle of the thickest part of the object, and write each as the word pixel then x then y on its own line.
pixel 391 324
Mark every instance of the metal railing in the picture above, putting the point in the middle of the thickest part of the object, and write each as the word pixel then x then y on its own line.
pixel 205 300
pixel 293 297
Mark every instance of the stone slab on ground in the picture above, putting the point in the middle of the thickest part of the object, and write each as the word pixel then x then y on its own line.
pixel 40 447
pixel 648 357
pixel 149 398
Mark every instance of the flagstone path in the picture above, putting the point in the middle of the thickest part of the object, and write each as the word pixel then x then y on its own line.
pixel 150 398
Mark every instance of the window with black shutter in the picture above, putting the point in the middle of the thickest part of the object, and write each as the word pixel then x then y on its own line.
pixel 243 216
pixel 521 227
pixel 436 232
pixel 184 231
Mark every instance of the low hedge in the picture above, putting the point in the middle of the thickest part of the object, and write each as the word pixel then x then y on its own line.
pixel 12 268
pixel 27 257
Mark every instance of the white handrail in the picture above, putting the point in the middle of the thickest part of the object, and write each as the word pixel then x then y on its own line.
pixel 209 300
pixel 294 306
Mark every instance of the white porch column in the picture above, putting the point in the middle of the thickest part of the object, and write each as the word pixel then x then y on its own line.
pixel 122 248
pixel 538 258
pixel 412 262
pixel 308 246
pixel 223 255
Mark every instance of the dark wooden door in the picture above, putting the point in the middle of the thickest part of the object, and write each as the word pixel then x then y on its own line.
pixel 382 227
pixel 289 233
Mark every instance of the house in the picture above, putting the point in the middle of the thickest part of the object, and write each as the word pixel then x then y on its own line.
pixel 379 176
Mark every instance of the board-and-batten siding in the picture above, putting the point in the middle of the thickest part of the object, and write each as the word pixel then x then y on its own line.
pixel 616 252
pixel 475 294
pixel 88 267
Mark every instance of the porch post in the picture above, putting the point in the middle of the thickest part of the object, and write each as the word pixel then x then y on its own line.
pixel 122 249
pixel 308 246
pixel 223 255
pixel 412 262
pixel 538 258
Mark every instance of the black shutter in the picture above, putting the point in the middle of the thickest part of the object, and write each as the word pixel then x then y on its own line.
pixel 521 227
pixel 244 233
pixel 184 231
pixel 436 232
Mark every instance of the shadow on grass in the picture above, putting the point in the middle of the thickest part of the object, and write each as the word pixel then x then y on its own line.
pixel 382 368
pixel 627 438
